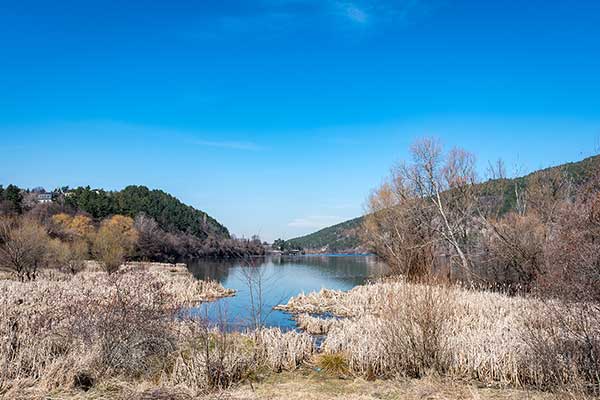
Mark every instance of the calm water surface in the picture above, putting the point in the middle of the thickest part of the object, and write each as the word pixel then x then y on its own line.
pixel 279 277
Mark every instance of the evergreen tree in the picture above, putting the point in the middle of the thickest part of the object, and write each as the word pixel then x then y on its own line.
pixel 12 195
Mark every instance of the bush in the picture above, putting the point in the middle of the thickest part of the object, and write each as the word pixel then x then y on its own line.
pixel 334 364
pixel 564 346
pixel 89 324
pixel 405 330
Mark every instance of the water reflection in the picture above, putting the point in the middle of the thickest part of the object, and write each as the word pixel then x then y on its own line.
pixel 265 282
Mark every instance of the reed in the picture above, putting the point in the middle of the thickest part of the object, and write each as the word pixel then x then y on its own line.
pixel 125 335
pixel 283 351
pixel 396 328
pixel 314 325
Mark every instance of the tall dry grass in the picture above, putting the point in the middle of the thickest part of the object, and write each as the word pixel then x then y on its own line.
pixel 395 328
pixel 90 330
pixel 92 325
pixel 209 357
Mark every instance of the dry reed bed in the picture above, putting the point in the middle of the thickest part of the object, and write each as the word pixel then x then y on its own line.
pixel 283 350
pixel 397 328
pixel 314 325
pixel 61 333
pixel 217 360
pixel 180 282
pixel 323 301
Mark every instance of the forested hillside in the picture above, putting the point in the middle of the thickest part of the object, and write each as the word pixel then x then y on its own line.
pixel 162 227
pixel 346 235
pixel 337 238
pixel 170 213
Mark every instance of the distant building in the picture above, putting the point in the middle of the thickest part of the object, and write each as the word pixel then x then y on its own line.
pixel 44 198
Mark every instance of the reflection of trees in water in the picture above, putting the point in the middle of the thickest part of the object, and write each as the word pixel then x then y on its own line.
pixel 210 269
pixel 263 282
pixel 219 270
pixel 347 267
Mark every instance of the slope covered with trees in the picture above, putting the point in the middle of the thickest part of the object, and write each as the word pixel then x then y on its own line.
pixel 337 238
pixel 170 213
pixel 66 226
pixel 346 236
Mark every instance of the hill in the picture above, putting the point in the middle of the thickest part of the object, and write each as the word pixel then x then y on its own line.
pixel 171 214
pixel 345 236
pixel 338 238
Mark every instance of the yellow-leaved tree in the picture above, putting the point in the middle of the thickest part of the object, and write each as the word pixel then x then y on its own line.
pixel 114 241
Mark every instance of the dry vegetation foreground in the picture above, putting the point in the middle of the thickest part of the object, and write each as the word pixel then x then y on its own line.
pixel 94 332
pixel 126 335
pixel 396 329
pixel 306 384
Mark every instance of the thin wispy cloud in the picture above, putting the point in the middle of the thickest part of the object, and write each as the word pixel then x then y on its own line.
pixel 203 139
pixel 315 221
pixel 353 13
pixel 104 128
pixel 250 146
pixel 277 16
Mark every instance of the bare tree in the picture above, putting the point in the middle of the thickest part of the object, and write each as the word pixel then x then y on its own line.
pixel 153 243
pixel 70 256
pixel 546 191
pixel 23 246
pixel 434 194
pixel 393 230
pixel 255 278
pixel 497 170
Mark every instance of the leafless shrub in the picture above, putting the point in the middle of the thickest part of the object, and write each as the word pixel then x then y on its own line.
pixel 546 192
pixel 211 357
pixel 417 337
pixel 90 327
pixel 572 268
pixel 132 328
pixel 393 230
pixel 514 251
pixel 564 346
pixel 564 336
pixel 24 246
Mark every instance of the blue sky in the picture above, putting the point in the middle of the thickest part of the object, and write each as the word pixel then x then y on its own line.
pixel 279 117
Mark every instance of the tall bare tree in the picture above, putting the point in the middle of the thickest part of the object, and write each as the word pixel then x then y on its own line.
pixel 427 208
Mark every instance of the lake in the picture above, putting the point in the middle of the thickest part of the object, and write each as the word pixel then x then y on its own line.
pixel 268 281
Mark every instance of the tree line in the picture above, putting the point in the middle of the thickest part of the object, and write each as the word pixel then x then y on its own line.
pixel 110 227
pixel 170 213
pixel 433 216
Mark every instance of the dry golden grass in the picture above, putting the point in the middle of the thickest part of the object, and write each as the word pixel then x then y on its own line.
pixel 395 328
pixel 314 325
pixel 124 336
pixel 304 384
